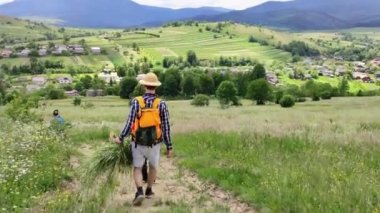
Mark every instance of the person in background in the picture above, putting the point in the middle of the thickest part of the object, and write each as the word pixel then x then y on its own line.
pixel 57 117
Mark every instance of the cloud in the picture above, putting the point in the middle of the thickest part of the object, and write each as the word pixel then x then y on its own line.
pixel 236 4
pixel 5 1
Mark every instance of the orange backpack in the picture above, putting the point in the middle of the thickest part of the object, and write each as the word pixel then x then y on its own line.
pixel 146 129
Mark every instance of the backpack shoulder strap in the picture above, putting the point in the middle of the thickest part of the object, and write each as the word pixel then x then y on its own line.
pixel 141 102
pixel 156 102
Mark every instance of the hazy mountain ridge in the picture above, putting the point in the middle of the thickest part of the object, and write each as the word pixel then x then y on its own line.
pixel 308 14
pixel 101 13
pixel 297 14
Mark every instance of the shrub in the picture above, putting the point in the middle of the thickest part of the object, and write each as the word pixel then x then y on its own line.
pixel 326 95
pixel 77 101
pixel 88 105
pixel 316 98
pixel 301 99
pixel 287 101
pixel 201 100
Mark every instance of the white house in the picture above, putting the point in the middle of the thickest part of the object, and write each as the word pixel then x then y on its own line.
pixel 24 53
pixel 39 80
pixel 108 76
pixel 59 49
pixel 32 88
pixel 96 50
pixel 64 80
pixel 78 50
pixel 42 52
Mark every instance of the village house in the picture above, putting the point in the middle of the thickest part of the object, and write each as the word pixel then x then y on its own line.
pixel 96 50
pixel 71 93
pixel 109 76
pixel 377 76
pixel 6 53
pixel 59 49
pixel 65 80
pixel 24 53
pixel 340 71
pixel 78 50
pixel 272 78
pixel 140 77
pixel 42 52
pixel 362 76
pixel 360 66
pixel 324 71
pixel 376 61
pixel 307 77
pixel 32 87
pixel 39 80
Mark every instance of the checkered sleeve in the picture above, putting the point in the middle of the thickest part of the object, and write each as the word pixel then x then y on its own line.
pixel 132 117
pixel 165 125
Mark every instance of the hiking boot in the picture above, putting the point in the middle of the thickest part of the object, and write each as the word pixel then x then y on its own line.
pixel 149 193
pixel 139 198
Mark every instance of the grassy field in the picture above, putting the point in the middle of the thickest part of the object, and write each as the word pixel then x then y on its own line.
pixel 316 157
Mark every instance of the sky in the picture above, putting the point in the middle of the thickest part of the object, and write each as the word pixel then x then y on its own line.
pixel 231 4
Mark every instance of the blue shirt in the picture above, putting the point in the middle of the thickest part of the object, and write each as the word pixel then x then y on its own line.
pixel 59 119
pixel 164 115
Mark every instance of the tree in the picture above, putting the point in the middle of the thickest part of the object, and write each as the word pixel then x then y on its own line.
pixel 206 85
pixel 343 87
pixel 189 86
pixel 260 91
pixel 86 81
pixel 170 86
pixel 122 70
pixel 138 91
pixel 172 82
pixel 79 86
pixel 192 58
pixel 311 89
pixel 258 72
pixel 226 93
pixel 127 85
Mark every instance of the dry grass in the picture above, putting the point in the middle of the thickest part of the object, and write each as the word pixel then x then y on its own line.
pixel 337 120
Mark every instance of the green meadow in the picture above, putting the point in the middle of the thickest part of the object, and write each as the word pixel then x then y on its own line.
pixel 316 157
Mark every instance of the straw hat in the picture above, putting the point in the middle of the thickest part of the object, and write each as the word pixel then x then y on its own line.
pixel 150 79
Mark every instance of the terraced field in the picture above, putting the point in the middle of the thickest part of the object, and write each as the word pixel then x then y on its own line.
pixel 208 45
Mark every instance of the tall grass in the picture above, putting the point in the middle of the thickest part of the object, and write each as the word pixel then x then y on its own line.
pixel 32 161
pixel 287 174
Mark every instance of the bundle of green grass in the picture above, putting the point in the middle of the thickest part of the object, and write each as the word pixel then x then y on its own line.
pixel 109 160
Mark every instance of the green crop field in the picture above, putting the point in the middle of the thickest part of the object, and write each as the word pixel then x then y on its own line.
pixel 176 41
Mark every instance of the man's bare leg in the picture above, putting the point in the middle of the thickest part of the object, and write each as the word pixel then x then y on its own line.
pixel 151 179
pixel 137 175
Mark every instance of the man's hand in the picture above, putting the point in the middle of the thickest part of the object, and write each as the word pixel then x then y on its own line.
pixel 169 153
pixel 116 140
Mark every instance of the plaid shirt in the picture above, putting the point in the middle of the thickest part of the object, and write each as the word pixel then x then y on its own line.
pixel 164 115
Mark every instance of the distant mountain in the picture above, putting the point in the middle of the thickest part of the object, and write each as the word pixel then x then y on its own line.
pixel 308 14
pixel 102 13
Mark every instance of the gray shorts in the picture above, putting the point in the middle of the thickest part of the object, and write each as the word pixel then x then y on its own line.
pixel 140 153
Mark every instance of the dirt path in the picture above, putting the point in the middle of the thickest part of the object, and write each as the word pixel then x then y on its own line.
pixel 175 189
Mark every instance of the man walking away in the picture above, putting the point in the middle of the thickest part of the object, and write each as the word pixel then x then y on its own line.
pixel 148 122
